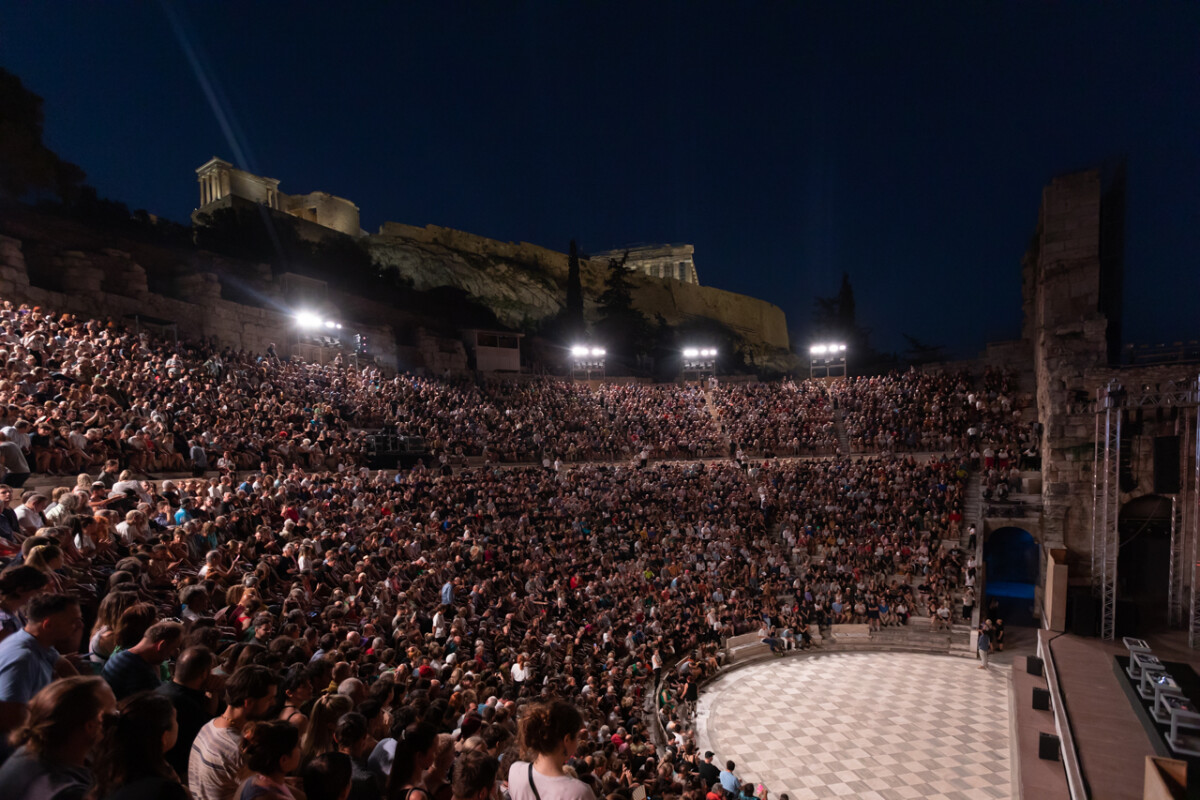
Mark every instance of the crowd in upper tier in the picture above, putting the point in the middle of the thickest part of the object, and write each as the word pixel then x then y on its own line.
pixel 291 624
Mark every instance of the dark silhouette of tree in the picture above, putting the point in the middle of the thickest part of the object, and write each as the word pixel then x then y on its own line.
pixel 919 352
pixel 574 310
pixel 27 167
pixel 623 330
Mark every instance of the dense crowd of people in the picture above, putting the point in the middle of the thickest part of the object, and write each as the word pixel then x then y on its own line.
pixel 287 623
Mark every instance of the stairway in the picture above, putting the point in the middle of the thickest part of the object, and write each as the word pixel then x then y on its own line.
pixel 843 437
pixel 972 507
pixel 711 407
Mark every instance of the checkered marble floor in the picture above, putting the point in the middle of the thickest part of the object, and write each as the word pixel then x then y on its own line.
pixel 869 726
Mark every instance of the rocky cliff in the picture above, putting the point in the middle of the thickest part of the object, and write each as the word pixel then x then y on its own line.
pixel 525 283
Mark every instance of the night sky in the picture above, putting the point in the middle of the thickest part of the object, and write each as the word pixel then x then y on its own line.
pixel 904 143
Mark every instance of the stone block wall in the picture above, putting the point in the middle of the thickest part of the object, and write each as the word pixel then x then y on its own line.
pixel 110 284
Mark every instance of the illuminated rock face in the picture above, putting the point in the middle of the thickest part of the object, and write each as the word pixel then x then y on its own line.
pixel 522 281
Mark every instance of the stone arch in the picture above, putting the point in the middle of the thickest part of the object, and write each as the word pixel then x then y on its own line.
pixel 1143 563
pixel 1012 557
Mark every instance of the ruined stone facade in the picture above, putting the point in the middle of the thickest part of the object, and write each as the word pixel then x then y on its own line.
pixel 671 261
pixel 1071 289
pixel 222 185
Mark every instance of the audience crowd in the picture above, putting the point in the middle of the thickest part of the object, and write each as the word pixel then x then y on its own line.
pixel 287 623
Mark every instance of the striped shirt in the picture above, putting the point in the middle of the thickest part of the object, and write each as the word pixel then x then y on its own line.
pixel 215 765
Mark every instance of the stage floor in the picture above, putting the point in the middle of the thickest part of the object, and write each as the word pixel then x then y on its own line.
pixel 870 726
pixel 1111 742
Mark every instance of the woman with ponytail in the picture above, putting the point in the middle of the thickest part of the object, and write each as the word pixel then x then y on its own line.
pixel 547 734
pixel 415 748
pixel 130 764
pixel 65 721
pixel 271 750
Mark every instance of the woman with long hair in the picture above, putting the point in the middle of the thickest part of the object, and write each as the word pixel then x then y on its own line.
pixel 548 734
pixel 318 738
pixel 415 751
pixel 271 750
pixel 104 632
pixel 129 761
pixel 18 585
pixel 63 726
pixel 297 690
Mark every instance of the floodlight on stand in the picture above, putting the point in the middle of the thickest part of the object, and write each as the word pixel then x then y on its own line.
pixel 579 351
pixel 307 319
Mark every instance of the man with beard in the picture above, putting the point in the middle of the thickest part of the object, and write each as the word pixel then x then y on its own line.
pixel 215 766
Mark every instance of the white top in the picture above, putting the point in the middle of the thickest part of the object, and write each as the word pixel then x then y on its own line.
pixel 548 788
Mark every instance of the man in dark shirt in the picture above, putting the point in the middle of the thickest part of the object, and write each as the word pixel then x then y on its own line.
pixel 193 708
pixel 709 772
pixel 137 669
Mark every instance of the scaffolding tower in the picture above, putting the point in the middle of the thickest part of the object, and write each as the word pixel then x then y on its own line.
pixel 1112 403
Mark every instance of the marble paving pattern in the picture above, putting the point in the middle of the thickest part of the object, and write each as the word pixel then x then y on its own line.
pixel 869 726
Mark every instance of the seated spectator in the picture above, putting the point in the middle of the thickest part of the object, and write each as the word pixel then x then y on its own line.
pixel 30 657
pixel 66 720
pixel 475 776
pixel 129 762
pixel 193 706
pixel 18 585
pixel 328 777
pixel 137 669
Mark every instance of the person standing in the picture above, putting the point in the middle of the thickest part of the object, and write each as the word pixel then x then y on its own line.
pixel 984 646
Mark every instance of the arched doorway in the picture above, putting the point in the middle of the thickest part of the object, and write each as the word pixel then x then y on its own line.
pixel 1013 564
pixel 1143 563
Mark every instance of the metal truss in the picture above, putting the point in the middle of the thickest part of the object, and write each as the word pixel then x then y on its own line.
pixel 1193 517
pixel 1184 572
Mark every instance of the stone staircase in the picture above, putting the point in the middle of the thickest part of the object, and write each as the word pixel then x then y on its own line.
pixel 843 437
pixel 972 507
pixel 711 407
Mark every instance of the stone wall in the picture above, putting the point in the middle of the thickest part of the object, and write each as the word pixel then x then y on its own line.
pixel 110 284
pixel 1070 337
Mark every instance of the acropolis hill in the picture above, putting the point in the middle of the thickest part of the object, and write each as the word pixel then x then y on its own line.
pixel 520 282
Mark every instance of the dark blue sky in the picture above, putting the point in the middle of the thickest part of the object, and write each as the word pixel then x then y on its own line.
pixel 903 143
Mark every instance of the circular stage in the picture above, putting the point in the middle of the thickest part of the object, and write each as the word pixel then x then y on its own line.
pixel 869 726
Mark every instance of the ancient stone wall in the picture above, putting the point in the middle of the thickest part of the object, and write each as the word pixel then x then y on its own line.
pixel 1070 337
pixel 109 283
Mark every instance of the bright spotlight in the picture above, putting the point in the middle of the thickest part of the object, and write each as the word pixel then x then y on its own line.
pixel 579 350
pixel 691 352
pixel 818 349
pixel 307 319
pixel 841 347
pixel 597 352
pixel 339 326
pixel 330 324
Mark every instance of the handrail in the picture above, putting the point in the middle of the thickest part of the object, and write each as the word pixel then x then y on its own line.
pixel 1062 722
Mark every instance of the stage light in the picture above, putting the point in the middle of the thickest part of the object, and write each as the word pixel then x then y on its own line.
pixel 597 352
pixel 817 349
pixel 307 319
pixel 579 350
pixel 330 324
pixel 691 352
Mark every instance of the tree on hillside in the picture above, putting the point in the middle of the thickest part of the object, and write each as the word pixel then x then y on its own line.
pixel 625 331
pixel 574 310
pixel 27 167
